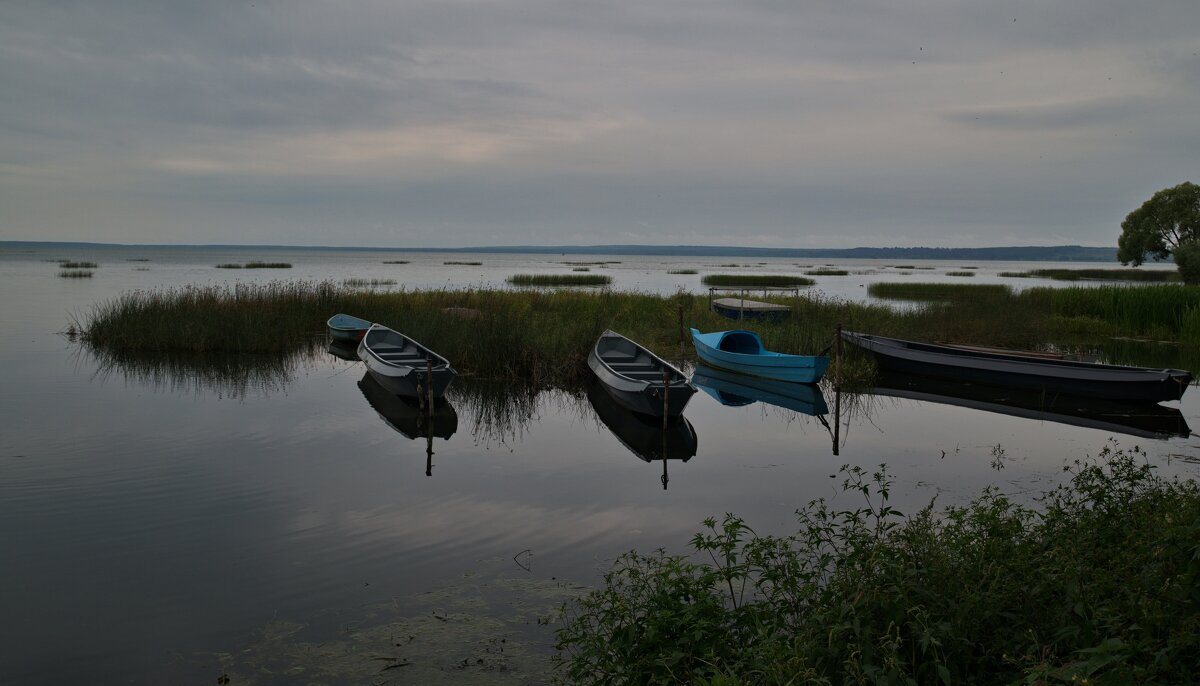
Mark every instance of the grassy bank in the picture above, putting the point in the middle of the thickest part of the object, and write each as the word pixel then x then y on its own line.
pixel 1096 585
pixel 545 335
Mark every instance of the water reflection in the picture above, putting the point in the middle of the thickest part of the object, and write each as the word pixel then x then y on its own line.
pixel 228 375
pixel 736 390
pixel 1146 421
pixel 343 350
pixel 651 439
pixel 410 417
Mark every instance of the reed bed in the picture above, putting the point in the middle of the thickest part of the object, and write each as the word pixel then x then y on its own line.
pixel 581 269
pixel 934 291
pixel 255 264
pixel 396 261
pixel 463 264
pixel 76 273
pixel 592 264
pixel 1146 275
pixel 70 264
pixel 368 282
pixel 962 273
pixel 755 281
pixel 683 271
pixel 827 272
pixel 559 279
pixel 542 337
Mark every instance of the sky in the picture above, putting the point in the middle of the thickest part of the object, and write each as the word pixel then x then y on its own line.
pixel 763 123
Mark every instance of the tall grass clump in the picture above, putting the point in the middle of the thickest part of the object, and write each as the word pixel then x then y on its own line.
pixel 824 271
pixel 962 273
pixel 69 264
pixel 1097 583
pixel 76 273
pixel 255 264
pixel 559 279
pixel 1152 310
pixel 359 282
pixel 683 271
pixel 754 281
pixel 935 291
pixel 468 264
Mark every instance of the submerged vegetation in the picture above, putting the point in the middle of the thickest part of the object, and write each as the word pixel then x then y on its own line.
pixel 1096 585
pixel 755 281
pixel 1097 274
pixel 559 279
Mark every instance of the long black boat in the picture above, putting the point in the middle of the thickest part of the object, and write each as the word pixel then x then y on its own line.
pixel 638 379
pixel 1022 370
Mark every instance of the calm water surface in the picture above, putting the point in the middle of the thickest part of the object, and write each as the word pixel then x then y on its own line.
pixel 162 526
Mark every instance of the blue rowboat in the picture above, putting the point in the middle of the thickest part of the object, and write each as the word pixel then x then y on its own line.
pixel 736 390
pixel 345 327
pixel 742 352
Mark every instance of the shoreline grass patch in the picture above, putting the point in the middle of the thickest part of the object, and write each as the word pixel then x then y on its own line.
pixel 683 271
pixel 755 281
pixel 559 280
pixel 70 264
pixel 463 264
pixel 962 273
pixel 76 273
pixel 397 261
pixel 827 272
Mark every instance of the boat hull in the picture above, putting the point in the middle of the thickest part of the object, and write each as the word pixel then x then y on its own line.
pixel 634 377
pixel 742 352
pixel 734 308
pixel 1111 382
pixel 403 366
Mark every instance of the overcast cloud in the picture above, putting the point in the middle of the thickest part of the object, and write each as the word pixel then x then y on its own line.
pixel 793 123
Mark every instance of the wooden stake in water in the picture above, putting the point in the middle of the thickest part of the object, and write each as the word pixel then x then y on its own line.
pixel 666 416
pixel 837 391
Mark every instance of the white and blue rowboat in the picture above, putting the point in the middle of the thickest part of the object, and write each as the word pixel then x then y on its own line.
pixel 638 379
pixel 742 352
pixel 345 327
pixel 403 366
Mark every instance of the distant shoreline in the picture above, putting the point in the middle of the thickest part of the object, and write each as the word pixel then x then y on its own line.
pixel 1028 253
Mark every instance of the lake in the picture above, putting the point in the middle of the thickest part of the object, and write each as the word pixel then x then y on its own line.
pixel 175 524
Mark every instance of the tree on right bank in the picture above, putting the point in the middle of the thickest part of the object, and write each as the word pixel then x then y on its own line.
pixel 1166 225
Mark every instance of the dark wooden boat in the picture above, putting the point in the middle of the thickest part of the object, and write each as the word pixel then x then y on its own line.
pixel 403 366
pixel 1015 370
pixel 736 390
pixel 1144 420
pixel 638 379
pixel 642 434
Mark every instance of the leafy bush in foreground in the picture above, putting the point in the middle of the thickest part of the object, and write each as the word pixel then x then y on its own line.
pixel 1098 585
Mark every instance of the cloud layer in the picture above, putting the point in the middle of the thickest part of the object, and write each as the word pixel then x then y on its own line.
pixel 442 123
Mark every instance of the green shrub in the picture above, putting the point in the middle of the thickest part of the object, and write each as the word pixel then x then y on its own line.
pixel 1099 584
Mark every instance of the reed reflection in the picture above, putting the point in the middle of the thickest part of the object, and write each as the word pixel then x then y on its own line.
pixel 651 439
pixel 228 375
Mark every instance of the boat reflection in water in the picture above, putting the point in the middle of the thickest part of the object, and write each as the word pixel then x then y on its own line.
pixel 409 417
pixel 736 390
pixel 649 438
pixel 1135 419
pixel 342 349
